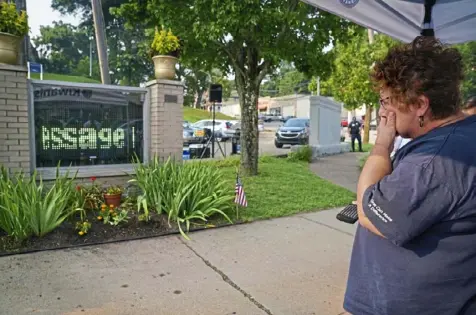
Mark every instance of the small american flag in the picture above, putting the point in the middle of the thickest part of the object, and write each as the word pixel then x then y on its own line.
pixel 240 196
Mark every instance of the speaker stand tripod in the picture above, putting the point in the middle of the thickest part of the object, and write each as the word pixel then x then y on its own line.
pixel 212 139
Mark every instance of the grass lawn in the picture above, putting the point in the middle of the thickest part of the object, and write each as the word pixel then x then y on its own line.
pixel 366 147
pixel 284 188
pixel 61 77
pixel 193 115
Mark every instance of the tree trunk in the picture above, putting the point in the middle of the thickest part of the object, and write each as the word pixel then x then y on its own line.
pixel 249 73
pixel 368 118
pixel 249 95
pixel 198 103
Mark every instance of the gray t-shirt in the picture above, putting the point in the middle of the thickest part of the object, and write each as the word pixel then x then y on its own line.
pixel 426 209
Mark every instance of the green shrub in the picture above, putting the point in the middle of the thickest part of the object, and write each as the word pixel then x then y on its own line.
pixel 304 153
pixel 12 214
pixel 185 192
pixel 11 21
pixel 164 42
pixel 28 207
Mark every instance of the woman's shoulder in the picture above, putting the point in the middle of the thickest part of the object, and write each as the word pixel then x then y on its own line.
pixel 447 146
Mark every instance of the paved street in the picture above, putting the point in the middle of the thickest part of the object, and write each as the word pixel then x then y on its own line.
pixel 294 265
pixel 266 146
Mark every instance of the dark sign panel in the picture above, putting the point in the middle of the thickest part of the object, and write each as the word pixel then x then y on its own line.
pixel 83 126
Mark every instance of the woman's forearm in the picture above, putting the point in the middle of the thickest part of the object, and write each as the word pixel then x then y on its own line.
pixel 377 166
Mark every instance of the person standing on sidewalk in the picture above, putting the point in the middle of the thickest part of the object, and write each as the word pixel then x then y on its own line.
pixel 414 250
pixel 355 128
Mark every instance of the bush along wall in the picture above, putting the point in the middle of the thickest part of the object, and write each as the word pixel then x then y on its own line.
pixel 169 197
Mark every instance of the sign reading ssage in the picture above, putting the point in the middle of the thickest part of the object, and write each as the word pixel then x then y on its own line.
pixel 73 124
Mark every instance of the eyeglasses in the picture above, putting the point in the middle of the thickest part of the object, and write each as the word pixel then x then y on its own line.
pixel 383 102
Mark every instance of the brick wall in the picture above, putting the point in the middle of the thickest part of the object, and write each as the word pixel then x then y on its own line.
pixel 14 134
pixel 166 117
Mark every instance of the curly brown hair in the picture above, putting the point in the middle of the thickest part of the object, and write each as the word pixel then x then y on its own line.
pixel 423 67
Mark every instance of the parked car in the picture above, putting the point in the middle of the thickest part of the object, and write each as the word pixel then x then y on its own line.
pixel 229 133
pixel 260 125
pixel 294 131
pixel 220 127
pixel 270 118
pixel 192 135
pixel 286 118
pixel 237 127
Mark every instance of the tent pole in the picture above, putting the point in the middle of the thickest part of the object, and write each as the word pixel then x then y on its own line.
pixel 427 27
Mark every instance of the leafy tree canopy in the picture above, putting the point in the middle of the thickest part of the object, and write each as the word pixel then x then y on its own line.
pixel 468 50
pixel 250 37
pixel 350 80
pixel 64 49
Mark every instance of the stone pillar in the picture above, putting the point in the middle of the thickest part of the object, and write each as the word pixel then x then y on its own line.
pixel 325 130
pixel 166 119
pixel 14 130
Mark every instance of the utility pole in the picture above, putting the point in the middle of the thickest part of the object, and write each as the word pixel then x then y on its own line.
pixel 371 36
pixel 91 56
pixel 25 46
pixel 318 86
pixel 101 44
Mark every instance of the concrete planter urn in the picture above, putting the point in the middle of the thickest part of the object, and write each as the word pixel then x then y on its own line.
pixel 9 48
pixel 164 67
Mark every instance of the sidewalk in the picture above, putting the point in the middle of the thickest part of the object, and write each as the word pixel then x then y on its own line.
pixel 289 266
pixel 340 169
pixel 294 265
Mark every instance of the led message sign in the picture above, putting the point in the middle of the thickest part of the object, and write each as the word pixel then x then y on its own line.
pixel 80 126
pixel 84 138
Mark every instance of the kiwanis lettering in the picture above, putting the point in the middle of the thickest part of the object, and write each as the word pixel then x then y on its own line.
pixel 83 138
pixel 73 92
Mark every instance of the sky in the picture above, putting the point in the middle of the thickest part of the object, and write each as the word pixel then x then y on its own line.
pixel 40 13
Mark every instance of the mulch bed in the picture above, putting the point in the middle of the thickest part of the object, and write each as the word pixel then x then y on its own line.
pixel 65 236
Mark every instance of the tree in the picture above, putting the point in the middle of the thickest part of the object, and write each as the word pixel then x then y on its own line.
pixel 285 80
pixel 325 88
pixel 468 50
pixel 83 9
pixel 293 82
pixel 249 36
pixel 197 82
pixel 64 48
pixel 269 87
pixel 128 47
pixel 350 80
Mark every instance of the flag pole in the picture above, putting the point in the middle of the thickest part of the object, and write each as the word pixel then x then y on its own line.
pixel 236 203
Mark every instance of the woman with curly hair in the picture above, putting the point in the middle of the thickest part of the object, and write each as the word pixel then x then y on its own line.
pixel 414 251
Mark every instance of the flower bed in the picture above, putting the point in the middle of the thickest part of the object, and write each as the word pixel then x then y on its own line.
pixel 163 198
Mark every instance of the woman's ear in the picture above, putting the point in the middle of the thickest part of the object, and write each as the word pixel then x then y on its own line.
pixel 422 105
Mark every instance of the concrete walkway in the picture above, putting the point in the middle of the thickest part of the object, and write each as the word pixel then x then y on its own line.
pixel 289 266
pixel 294 265
pixel 340 169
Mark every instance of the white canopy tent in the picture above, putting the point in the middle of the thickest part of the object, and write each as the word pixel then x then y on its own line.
pixel 451 21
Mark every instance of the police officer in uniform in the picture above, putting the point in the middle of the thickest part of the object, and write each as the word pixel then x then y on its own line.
pixel 354 130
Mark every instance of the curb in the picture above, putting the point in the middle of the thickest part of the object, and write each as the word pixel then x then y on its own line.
pixel 122 240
